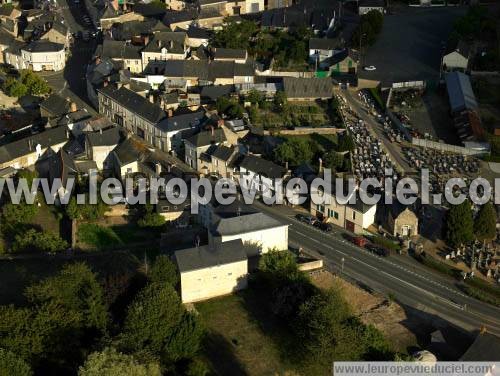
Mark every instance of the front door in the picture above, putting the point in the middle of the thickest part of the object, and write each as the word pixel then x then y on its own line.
pixel 349 226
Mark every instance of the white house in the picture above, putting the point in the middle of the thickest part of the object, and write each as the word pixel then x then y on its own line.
pixel 43 55
pixel 99 146
pixel 210 271
pixel 262 175
pixel 457 58
pixel 256 230
pixel 354 217
pixel 321 49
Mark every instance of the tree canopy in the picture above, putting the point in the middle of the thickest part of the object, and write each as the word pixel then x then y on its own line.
pixel 42 241
pixel 459 224
pixel 485 224
pixel 11 364
pixel 110 362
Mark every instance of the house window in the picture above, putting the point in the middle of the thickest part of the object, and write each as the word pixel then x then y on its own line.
pixel 229 273
pixel 353 215
pixel 320 208
pixel 164 208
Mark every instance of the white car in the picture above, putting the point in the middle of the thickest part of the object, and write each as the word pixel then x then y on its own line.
pixel 370 68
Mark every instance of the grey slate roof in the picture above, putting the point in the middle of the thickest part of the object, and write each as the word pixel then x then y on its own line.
pixel 206 138
pixel 19 148
pixel 372 3
pixel 107 137
pixel 262 167
pixel 198 32
pixel 223 152
pixel 229 53
pixel 460 92
pixel 56 105
pixel 134 103
pixel 115 49
pixel 485 347
pixel 205 257
pixel 215 91
pixel 307 87
pixel 173 41
pixel 43 46
pixel 181 121
pixel 128 151
pixel 244 224
pixel 322 44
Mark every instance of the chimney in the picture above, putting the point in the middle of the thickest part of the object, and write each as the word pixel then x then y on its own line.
pixel 170 112
pixel 146 40
pixel 106 82
pixel 97 60
pixel 73 107
pixel 115 4
pixel 67 134
pixel 171 44
pixel 320 170
pixel 158 168
pixel 151 98
pixel 212 131
pixel 100 130
pixel 286 165
pixel 158 43
pixel 30 144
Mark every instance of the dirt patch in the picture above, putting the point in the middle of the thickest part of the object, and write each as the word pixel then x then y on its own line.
pixel 389 317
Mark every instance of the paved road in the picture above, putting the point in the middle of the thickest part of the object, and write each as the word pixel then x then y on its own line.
pixel 411 283
pixel 71 83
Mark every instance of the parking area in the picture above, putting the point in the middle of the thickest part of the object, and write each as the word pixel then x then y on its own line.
pixel 410 45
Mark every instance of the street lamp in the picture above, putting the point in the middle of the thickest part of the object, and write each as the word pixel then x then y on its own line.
pixel 342 260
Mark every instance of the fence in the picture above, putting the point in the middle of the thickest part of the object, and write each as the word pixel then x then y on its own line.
pixel 447 147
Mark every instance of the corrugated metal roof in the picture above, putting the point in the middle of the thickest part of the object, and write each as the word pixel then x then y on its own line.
pixel 460 92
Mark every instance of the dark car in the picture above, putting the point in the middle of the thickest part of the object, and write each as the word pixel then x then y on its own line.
pixel 327 227
pixel 378 250
pixel 309 219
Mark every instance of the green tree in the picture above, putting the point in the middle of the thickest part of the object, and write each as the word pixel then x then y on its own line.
pixel 235 34
pixel 47 332
pixel 34 83
pixel 20 213
pixel 485 223
pixel 334 160
pixel 12 365
pixel 164 272
pixel 346 143
pixel 110 362
pixel 294 151
pixel 38 240
pixel 459 224
pixel 185 340
pixel 254 97
pixel 14 88
pixel 87 212
pixel 150 218
pixel 280 100
pixel 151 319
pixel 74 289
pixel 197 368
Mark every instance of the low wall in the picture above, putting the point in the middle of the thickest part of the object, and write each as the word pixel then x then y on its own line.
pixel 286 74
pixel 119 210
pixel 310 265
pixel 446 147
pixel 308 130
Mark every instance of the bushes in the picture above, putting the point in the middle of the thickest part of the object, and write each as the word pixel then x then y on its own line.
pixel 386 243
pixel 38 241
pixel 321 322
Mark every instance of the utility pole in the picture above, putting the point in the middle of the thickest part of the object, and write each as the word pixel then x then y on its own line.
pixel 342 260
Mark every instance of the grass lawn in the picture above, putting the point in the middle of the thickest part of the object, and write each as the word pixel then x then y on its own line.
pixel 240 342
pixel 327 141
pixel 95 236
pixel 48 218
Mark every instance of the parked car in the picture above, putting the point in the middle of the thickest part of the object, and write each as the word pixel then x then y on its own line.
pixel 309 219
pixel 359 241
pixel 326 227
pixel 378 250
pixel 370 68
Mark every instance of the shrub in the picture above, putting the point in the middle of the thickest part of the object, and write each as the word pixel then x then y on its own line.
pixel 39 241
